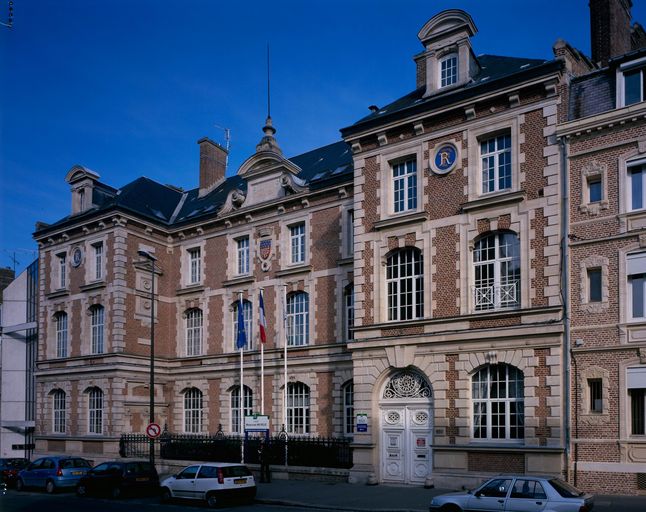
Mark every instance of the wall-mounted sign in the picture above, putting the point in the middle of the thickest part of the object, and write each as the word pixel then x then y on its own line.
pixel 77 256
pixel 362 422
pixel 256 423
pixel 445 158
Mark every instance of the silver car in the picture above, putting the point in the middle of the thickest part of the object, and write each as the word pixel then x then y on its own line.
pixel 511 493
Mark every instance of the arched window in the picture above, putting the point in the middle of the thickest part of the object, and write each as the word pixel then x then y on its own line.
pixel 348 303
pixel 193 411
pixel 496 260
pixel 298 408
pixel 298 319
pixel 97 318
pixel 58 408
pixel 236 423
pixel 448 70
pixel 405 282
pixel 194 332
pixel 95 411
pixel 347 390
pixel 61 334
pixel 247 315
pixel 498 402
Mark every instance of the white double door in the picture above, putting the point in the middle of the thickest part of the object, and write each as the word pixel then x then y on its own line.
pixel 406 439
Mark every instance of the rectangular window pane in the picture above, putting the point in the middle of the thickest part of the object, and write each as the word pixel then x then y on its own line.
pixel 594 191
pixel 195 264
pixel 98 261
pixel 594 284
pixel 633 87
pixel 595 390
pixel 638 413
pixel 637 288
pixel 636 189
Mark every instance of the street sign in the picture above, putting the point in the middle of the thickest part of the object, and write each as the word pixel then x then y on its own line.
pixel 362 422
pixel 153 430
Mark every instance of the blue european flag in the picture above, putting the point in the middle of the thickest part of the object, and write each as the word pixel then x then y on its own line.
pixel 242 335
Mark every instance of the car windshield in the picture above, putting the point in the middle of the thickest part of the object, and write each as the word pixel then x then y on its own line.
pixel 564 489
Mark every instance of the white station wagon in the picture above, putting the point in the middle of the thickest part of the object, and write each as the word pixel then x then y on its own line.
pixel 213 482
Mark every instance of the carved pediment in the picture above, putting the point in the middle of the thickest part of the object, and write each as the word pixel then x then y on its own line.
pixel 445 24
pixel 235 199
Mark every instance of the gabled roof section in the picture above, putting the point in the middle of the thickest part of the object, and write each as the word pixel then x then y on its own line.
pixel 78 173
pixel 445 24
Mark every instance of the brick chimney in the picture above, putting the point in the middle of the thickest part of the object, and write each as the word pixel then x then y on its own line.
pixel 609 29
pixel 213 164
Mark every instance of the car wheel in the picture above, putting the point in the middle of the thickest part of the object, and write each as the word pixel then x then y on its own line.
pixel 81 490
pixel 50 487
pixel 212 500
pixel 166 496
pixel 20 486
pixel 115 493
pixel 449 507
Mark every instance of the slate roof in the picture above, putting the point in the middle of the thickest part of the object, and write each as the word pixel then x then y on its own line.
pixel 170 206
pixel 495 72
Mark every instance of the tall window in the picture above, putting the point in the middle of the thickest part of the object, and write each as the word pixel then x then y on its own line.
pixel 348 407
pixel 297 242
pixel 634 86
pixel 448 70
pixel 58 399
pixel 195 265
pixel 62 270
pixel 95 409
pixel 636 189
pixel 194 332
pixel 495 154
pixel 81 200
pixel 496 260
pixel 247 314
pixel 348 299
pixel 298 319
pixel 498 403
pixel 98 260
pixel 243 255
pixel 594 285
pixel 61 334
pixel 595 388
pixel 97 315
pixel 405 282
pixel 298 408
pixel 636 272
pixel 236 422
pixel 405 186
pixel 193 411
pixel 595 189
pixel 349 230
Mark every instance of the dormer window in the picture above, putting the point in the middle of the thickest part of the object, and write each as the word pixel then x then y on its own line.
pixel 634 86
pixel 82 200
pixel 449 70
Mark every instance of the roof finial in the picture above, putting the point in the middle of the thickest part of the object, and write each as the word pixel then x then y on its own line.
pixel 268 142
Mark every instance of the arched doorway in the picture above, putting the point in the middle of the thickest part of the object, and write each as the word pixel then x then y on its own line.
pixel 406 428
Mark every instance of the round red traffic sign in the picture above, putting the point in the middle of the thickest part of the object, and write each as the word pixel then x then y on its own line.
pixel 153 430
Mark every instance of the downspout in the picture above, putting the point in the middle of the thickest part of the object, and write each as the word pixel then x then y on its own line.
pixel 565 297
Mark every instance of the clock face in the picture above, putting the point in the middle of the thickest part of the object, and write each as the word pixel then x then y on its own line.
pixel 77 257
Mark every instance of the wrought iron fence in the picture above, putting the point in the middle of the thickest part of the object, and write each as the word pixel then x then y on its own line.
pixel 324 452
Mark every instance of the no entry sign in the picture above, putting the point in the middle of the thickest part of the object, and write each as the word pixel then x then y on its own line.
pixel 153 430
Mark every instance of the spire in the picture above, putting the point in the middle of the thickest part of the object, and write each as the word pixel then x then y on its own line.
pixel 268 142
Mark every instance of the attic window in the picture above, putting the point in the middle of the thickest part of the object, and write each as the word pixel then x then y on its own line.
pixel 635 86
pixel 449 70
pixel 81 199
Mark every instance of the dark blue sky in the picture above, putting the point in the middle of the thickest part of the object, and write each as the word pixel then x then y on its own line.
pixel 126 88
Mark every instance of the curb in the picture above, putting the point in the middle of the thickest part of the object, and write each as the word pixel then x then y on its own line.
pixel 291 503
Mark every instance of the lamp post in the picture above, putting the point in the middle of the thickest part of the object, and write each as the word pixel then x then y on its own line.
pixel 152 259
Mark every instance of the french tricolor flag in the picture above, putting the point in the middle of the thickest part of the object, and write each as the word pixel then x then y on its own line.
pixel 262 321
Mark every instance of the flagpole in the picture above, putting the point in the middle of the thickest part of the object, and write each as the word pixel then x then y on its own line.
pixel 241 380
pixel 285 356
pixel 262 365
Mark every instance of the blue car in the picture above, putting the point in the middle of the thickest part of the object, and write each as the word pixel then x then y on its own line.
pixel 52 473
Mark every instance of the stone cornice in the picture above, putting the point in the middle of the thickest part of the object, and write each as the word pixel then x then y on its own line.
pixel 608 119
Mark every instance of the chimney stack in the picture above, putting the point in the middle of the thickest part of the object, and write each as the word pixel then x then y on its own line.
pixel 609 29
pixel 213 165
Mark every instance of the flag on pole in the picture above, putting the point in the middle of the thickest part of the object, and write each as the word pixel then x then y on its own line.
pixel 262 321
pixel 242 335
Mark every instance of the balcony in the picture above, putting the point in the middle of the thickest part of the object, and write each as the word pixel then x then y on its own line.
pixel 497 296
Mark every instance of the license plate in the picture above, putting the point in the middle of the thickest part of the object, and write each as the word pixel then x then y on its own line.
pixel 77 472
pixel 143 479
pixel 238 481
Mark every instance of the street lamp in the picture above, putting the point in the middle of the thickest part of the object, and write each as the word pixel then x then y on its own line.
pixel 152 259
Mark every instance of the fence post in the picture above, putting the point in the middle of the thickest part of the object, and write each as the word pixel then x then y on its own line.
pixel 284 437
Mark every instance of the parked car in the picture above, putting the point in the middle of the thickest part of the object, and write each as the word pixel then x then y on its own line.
pixel 214 483
pixel 53 473
pixel 119 478
pixel 9 470
pixel 512 493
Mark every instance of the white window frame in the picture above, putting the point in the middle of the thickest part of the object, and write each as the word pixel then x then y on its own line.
pixel 298 408
pixel 488 403
pixel 62 334
pixel 247 314
pixel 348 308
pixel 298 319
pixel 630 166
pixel 347 392
pixel 97 248
pixel 95 411
pixel 405 180
pixel 638 261
pixel 500 291
pixel 62 270
pixel 59 410
pixel 193 411
pixel 243 266
pixel 496 155
pixel 400 284
pixel 446 79
pixel 194 257
pixel 236 423
pixel 194 332
pixel 297 243
pixel 348 233
pixel 627 68
pixel 97 327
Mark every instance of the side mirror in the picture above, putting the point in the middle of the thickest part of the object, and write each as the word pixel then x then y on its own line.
pixel 479 494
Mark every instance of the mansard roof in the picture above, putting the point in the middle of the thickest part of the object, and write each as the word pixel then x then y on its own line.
pixel 170 206
pixel 495 72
